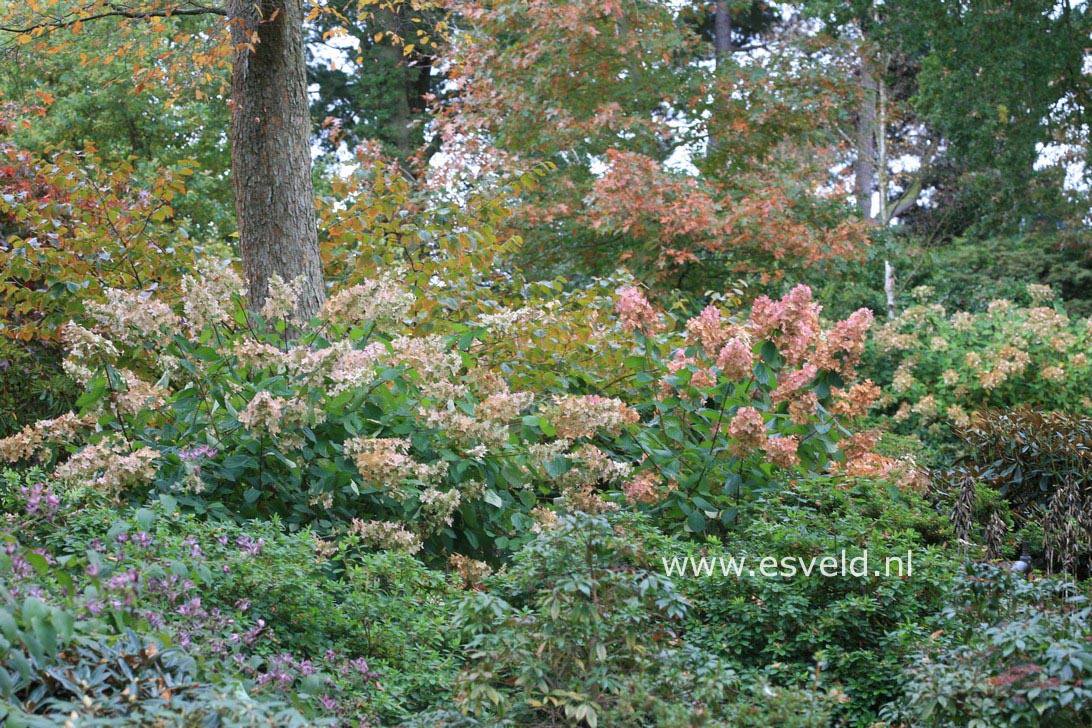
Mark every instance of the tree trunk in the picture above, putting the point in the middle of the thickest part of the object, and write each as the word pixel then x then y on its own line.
pixel 271 151
pixel 722 31
pixel 865 181
pixel 394 60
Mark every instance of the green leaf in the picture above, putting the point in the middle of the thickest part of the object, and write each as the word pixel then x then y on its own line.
pixel 38 562
pixel 558 466
pixel 145 518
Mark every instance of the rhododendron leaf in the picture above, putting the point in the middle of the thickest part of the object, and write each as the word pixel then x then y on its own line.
pixel 695 521
pixel 45 634
pixel 7 626
pixel 64 623
pixel 33 644
pixel 19 661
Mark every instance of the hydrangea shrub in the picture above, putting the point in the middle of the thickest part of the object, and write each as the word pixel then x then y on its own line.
pixel 945 365
pixel 408 437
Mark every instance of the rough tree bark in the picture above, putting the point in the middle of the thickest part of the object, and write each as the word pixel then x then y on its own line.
pixel 271 151
pixel 722 31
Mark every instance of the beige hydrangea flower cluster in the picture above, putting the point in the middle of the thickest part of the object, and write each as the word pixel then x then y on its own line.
pixel 428 356
pixel 87 351
pixel 576 416
pixel 111 466
pixel 437 509
pixel 489 425
pixel 263 413
pixel 386 462
pixel 471 571
pixel 382 300
pixel 34 439
pixel 386 535
pixel 281 299
pixel 129 316
pixel 138 394
pixel 208 296
pixel 587 464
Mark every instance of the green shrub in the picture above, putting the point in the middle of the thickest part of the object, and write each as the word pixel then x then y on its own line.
pixel 781 628
pixel 69 650
pixel 1007 652
pixel 282 616
pixel 583 628
pixel 354 423
pixel 32 384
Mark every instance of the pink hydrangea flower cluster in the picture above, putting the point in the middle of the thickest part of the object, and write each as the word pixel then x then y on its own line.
pixel 782 451
pixel 736 360
pixel 702 378
pixel 843 346
pixel 646 487
pixel 748 430
pixel 635 312
pixel 792 323
pixel 710 330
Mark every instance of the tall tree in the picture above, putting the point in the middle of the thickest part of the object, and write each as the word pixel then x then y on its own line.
pixel 271 151
pixel 270 121
pixel 373 66
pixel 687 173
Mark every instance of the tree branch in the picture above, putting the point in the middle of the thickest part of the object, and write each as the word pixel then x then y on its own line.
pixel 118 12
